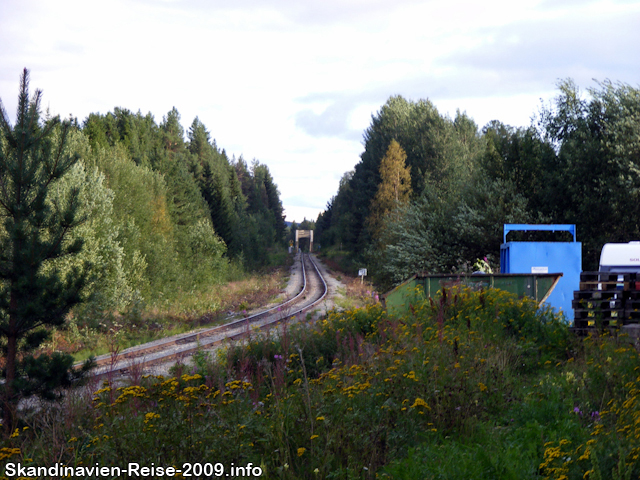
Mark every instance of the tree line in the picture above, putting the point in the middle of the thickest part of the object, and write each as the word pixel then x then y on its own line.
pixel 431 193
pixel 167 210
pixel 101 217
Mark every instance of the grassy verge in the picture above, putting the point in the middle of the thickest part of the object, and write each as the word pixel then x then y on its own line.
pixel 472 385
pixel 354 291
pixel 339 261
pixel 187 310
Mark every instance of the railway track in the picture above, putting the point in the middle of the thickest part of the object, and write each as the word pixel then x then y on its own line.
pixel 312 289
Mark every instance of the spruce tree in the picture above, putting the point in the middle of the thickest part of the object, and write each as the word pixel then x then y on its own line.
pixel 34 232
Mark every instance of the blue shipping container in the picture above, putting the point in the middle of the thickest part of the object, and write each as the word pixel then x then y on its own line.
pixel 546 257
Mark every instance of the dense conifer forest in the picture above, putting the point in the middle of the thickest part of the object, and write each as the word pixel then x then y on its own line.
pixel 167 210
pixel 112 227
pixel 578 162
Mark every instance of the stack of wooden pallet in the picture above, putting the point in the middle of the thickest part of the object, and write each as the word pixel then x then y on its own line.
pixel 607 299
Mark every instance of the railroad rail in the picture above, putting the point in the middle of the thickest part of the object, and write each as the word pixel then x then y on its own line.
pixel 312 291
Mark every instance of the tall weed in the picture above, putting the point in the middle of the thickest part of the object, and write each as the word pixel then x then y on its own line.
pixel 474 385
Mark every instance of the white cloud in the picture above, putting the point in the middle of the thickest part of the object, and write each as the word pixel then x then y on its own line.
pixel 294 84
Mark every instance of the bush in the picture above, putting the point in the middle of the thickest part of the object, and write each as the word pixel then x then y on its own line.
pixel 471 385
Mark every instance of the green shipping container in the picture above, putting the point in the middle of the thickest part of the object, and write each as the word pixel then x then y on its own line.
pixel 535 285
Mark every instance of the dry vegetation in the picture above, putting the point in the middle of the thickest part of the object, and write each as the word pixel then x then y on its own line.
pixel 187 311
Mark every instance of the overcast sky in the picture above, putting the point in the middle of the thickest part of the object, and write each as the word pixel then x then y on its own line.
pixel 294 83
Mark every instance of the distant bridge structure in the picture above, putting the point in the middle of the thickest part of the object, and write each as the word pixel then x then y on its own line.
pixel 304 234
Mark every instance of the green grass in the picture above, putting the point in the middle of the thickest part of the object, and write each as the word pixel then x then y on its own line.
pixel 471 385
pixel 85 336
pixel 339 260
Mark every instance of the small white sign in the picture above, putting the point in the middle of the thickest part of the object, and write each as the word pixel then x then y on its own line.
pixel 362 272
pixel 539 269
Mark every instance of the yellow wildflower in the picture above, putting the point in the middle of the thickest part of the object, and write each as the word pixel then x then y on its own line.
pixel 420 403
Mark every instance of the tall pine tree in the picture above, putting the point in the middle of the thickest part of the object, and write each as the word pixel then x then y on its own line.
pixel 33 293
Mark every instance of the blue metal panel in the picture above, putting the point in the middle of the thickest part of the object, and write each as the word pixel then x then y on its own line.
pixel 524 227
pixel 504 260
pixel 546 257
